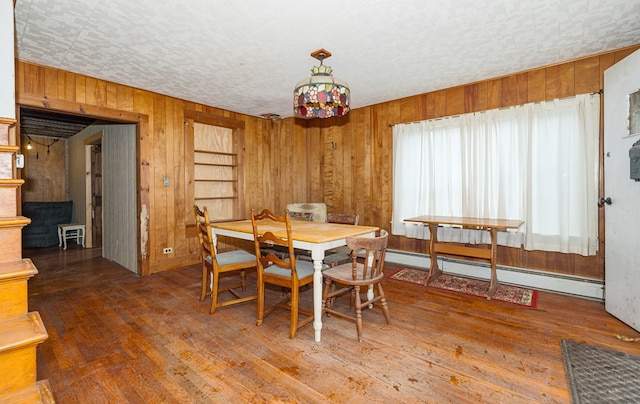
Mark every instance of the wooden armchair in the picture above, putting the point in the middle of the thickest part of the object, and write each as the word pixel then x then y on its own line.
pixel 354 276
pixel 214 264
pixel 285 272
pixel 341 255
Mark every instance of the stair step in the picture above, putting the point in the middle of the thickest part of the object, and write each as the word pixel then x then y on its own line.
pixel 19 338
pixel 23 268
pixel 21 331
pixel 11 237
pixel 38 393
pixel 14 221
pixel 5 148
pixel 14 277
pixel 11 182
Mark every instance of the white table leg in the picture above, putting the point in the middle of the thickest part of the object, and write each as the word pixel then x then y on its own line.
pixel 317 256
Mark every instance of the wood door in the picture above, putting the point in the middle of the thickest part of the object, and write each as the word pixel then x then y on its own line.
pixel 622 215
pixel 96 194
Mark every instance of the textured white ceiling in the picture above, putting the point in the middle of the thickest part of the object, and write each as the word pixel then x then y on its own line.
pixel 246 55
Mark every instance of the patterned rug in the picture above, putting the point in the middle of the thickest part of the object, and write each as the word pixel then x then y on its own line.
pixel 599 375
pixel 470 286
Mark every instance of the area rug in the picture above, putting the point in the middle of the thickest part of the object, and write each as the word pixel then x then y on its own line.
pixel 599 375
pixel 470 286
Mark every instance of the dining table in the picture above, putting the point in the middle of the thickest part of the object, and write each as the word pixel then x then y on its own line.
pixel 316 237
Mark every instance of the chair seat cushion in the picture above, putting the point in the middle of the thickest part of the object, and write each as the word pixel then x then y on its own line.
pixel 337 258
pixel 233 257
pixel 331 259
pixel 304 269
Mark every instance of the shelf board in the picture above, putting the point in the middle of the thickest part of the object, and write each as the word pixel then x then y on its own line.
pixel 214 180
pixel 215 164
pixel 215 152
pixel 204 198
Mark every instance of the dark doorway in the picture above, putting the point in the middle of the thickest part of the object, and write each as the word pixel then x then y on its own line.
pixel 96 194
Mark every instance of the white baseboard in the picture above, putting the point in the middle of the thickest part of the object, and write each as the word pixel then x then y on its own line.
pixel 531 278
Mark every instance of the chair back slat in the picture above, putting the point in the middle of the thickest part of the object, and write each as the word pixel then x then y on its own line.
pixel 304 216
pixel 205 235
pixel 374 249
pixel 343 218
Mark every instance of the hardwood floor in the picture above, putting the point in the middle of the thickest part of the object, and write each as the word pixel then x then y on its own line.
pixel 119 338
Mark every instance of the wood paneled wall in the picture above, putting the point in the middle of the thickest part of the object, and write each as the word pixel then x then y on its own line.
pixel 355 171
pixel 275 154
pixel 44 170
pixel 345 162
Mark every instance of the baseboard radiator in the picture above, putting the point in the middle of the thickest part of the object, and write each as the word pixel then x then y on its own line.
pixel 531 278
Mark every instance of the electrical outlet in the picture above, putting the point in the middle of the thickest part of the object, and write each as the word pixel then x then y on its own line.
pixel 167 250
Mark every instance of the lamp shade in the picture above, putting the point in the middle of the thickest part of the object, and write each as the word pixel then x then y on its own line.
pixel 321 95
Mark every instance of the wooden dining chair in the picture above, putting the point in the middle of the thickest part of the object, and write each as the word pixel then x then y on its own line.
pixel 285 272
pixel 341 255
pixel 356 278
pixel 214 264
pixel 281 251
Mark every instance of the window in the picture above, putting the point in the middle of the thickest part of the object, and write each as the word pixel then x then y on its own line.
pixel 534 162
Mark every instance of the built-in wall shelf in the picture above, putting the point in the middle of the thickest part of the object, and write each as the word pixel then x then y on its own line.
pixel 215 164
pixel 214 155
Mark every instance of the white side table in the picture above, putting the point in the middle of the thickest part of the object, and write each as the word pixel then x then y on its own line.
pixel 70 231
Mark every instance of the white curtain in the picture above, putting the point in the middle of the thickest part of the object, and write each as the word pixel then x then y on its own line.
pixel 535 162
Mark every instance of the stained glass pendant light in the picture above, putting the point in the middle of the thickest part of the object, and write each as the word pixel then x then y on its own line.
pixel 321 95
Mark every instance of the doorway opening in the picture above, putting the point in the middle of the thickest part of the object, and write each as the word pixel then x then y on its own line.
pixel 75 175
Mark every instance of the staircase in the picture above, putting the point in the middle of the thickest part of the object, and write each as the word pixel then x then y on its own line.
pixel 20 331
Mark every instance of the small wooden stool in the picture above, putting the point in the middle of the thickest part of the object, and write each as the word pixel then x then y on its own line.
pixel 70 231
